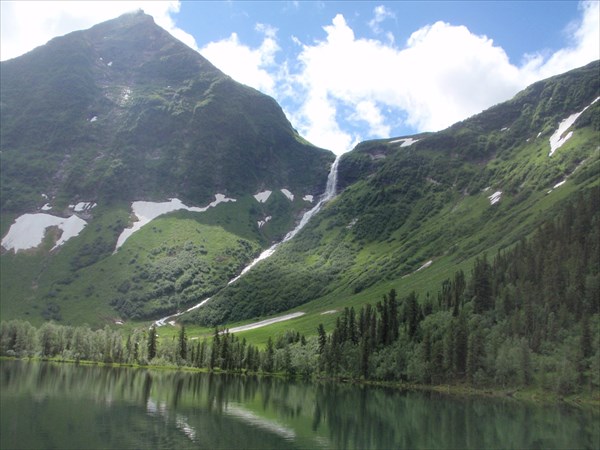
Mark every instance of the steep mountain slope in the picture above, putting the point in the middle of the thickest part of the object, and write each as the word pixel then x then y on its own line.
pixel 125 111
pixel 415 209
pixel 114 126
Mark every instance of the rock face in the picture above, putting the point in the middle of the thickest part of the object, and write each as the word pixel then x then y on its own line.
pixel 124 111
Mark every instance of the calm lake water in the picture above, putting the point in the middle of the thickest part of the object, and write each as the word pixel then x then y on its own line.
pixel 63 406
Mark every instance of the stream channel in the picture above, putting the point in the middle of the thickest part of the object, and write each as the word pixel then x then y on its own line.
pixel 330 192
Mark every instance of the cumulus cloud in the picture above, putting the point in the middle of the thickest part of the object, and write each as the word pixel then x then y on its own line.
pixel 443 74
pixel 253 67
pixel 28 24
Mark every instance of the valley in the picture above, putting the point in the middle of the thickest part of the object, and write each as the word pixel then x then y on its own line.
pixel 170 195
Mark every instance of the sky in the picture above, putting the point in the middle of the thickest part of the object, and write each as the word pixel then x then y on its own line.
pixel 348 71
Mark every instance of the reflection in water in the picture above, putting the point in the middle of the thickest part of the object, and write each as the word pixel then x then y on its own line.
pixel 63 406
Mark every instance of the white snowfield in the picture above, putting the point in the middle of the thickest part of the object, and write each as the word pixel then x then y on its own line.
pixel 288 194
pixel 264 323
pixel 406 142
pixel 263 196
pixel 147 211
pixel 557 139
pixel 495 197
pixel 28 230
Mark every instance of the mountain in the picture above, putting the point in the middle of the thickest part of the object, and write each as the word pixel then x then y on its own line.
pixel 416 209
pixel 125 111
pixel 106 128
pixel 137 180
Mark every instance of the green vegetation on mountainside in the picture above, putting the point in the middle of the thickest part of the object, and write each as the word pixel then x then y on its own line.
pixel 123 111
pixel 528 319
pixel 402 207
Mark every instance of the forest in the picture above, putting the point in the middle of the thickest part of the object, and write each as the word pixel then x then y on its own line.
pixel 527 317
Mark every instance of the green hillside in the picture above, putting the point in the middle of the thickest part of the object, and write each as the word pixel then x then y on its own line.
pixel 120 113
pixel 410 216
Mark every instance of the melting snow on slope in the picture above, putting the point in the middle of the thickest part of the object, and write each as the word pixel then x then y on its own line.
pixel 425 266
pixel 264 323
pixel 495 197
pixel 46 207
pixel 147 211
pixel 406 142
pixel 28 230
pixel 263 196
pixel 82 206
pixel 557 139
pixel 557 185
pixel 288 194
pixel 308 198
pixel 262 223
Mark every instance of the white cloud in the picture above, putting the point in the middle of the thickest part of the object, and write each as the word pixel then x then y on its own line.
pixel 28 24
pixel 253 67
pixel 442 75
pixel 380 14
pixel 584 46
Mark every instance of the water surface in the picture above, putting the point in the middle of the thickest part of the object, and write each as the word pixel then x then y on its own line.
pixel 64 406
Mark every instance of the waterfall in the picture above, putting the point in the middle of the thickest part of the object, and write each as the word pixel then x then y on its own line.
pixel 330 192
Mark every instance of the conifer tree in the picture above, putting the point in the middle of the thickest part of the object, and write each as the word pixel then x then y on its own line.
pixel 152 343
pixel 182 343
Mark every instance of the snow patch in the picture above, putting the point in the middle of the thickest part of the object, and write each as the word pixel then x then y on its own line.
pixel 539 134
pixel 93 119
pixel 264 323
pixel 147 211
pixel 262 223
pixel 308 198
pixel 28 230
pixel 263 196
pixel 505 129
pixel 288 194
pixel 425 266
pixel 406 142
pixel 331 311
pixel 83 206
pixel 46 207
pixel 557 139
pixel 495 197
pixel 109 64
pixel 557 185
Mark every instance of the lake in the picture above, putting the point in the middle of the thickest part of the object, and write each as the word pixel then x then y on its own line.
pixel 64 406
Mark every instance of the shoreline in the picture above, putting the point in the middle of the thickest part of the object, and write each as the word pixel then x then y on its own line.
pixel 533 395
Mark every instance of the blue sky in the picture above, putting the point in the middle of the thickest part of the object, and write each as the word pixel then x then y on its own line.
pixel 348 71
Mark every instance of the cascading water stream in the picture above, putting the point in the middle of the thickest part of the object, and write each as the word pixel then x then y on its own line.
pixel 330 192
